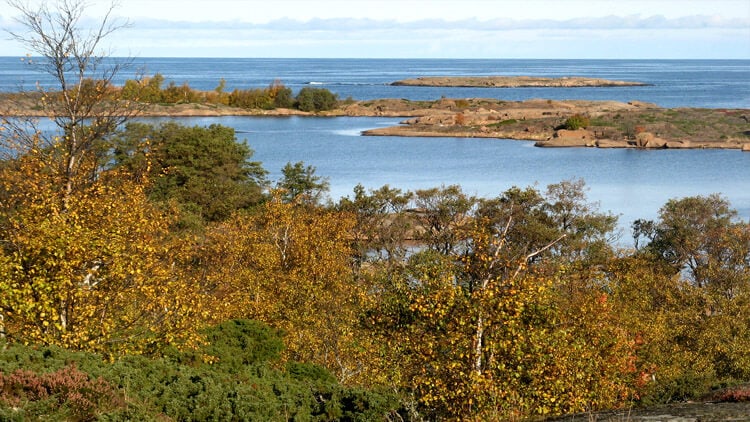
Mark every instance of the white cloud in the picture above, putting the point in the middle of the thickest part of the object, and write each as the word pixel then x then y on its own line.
pixel 611 22
pixel 560 29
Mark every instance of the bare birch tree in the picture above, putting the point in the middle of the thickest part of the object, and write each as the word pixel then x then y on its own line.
pixel 82 103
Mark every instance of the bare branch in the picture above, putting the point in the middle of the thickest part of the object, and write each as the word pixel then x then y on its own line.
pixel 84 105
pixel 522 265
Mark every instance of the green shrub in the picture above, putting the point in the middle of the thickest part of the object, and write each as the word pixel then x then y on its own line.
pixel 576 121
pixel 281 95
pixel 234 345
pixel 687 386
pixel 316 99
pixel 243 384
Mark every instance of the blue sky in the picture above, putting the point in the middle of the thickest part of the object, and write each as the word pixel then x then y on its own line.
pixel 718 29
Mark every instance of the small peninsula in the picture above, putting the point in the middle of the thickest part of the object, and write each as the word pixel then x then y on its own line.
pixel 570 123
pixel 546 122
pixel 513 82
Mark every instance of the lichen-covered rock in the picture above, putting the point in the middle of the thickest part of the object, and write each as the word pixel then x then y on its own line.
pixel 565 143
pixel 649 140
pixel 677 144
pixel 574 134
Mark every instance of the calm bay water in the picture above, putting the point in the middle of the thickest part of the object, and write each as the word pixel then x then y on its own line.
pixel 631 183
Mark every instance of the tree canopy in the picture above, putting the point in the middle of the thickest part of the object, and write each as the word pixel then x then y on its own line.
pixel 205 169
pixel 390 305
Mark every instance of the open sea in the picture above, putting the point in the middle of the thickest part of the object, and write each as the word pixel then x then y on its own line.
pixel 630 183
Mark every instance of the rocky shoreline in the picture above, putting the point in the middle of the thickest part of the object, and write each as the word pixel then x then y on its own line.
pixel 512 82
pixel 611 124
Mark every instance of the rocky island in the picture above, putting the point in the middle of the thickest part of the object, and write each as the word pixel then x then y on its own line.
pixel 572 123
pixel 512 82
pixel 548 123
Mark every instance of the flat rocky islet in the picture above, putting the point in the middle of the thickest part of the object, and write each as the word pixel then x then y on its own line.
pixel 612 124
pixel 512 82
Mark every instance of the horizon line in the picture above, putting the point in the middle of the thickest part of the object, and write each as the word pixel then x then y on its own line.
pixel 404 58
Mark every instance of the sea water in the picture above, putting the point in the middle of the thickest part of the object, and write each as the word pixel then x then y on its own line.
pixel 672 83
pixel 630 183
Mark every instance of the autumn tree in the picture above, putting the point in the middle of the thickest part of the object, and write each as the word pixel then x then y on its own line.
pixel 145 90
pixel 480 321
pixel 700 251
pixel 96 273
pixel 500 344
pixel 88 261
pixel 288 266
pixel 588 231
pixel 443 212
pixel 82 104
pixel 703 236
pixel 384 223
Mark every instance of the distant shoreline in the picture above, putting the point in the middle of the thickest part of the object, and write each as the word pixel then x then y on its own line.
pixel 612 124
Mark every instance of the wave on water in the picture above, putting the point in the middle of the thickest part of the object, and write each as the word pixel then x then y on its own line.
pixel 350 132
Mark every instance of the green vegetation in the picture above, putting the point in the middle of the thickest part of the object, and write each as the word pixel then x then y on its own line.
pixel 316 99
pixel 235 376
pixel 576 121
pixel 149 274
pixel 149 91
pixel 682 124
pixel 301 184
pixel 512 307
pixel 205 170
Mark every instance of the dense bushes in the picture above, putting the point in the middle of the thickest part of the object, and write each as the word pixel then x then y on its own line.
pixel 316 99
pixel 508 308
pixel 204 169
pixel 232 378
pixel 576 121
pixel 276 95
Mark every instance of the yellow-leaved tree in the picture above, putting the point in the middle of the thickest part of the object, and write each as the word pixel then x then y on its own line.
pixel 485 325
pixel 86 260
pixel 94 272
pixel 288 265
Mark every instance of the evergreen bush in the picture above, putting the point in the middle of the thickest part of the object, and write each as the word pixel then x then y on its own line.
pixel 316 99
pixel 576 121
pixel 241 383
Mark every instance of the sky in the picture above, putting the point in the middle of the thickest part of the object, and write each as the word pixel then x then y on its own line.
pixel 567 29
